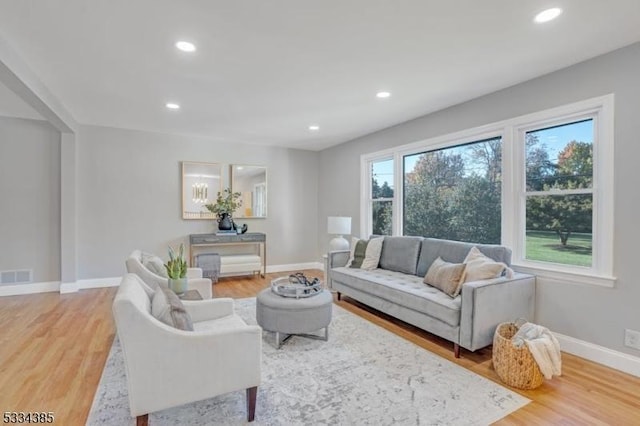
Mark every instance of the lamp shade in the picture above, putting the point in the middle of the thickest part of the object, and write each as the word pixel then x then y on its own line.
pixel 339 225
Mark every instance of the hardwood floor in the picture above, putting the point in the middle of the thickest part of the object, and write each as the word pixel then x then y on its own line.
pixel 53 348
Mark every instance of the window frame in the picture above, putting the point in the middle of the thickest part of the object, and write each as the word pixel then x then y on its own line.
pixel 513 200
pixel 601 270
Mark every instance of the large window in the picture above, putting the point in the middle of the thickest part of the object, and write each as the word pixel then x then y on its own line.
pixel 559 193
pixel 540 184
pixel 454 193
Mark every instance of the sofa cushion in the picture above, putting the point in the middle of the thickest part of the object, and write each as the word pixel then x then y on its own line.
pixel 456 252
pixel 446 276
pixel 404 290
pixel 400 254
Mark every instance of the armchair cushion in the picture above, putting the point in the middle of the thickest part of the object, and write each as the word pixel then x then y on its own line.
pixel 154 264
pixel 166 307
pixel 219 324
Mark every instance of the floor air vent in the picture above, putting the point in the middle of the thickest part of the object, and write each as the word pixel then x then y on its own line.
pixel 16 277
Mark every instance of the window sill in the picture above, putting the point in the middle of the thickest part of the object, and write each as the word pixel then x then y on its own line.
pixel 564 276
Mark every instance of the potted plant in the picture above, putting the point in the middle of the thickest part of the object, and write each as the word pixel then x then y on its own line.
pixel 177 270
pixel 224 207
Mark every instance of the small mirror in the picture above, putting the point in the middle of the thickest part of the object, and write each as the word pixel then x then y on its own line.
pixel 251 182
pixel 201 183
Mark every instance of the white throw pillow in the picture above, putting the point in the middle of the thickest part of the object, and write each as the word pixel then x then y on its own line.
pixel 481 267
pixel 372 254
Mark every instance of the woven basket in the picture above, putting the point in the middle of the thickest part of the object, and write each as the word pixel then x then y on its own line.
pixel 515 366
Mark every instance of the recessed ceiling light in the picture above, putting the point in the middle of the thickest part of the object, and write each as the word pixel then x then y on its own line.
pixel 186 46
pixel 314 128
pixel 383 95
pixel 172 105
pixel 548 15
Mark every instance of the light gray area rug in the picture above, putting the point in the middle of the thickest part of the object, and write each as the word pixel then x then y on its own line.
pixel 364 375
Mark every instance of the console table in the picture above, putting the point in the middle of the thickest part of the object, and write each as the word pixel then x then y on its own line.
pixel 208 243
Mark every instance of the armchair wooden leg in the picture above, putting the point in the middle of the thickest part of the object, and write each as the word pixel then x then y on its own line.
pixel 252 393
pixel 456 350
pixel 339 295
pixel 142 420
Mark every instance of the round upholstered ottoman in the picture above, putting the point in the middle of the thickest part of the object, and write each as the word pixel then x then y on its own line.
pixel 291 316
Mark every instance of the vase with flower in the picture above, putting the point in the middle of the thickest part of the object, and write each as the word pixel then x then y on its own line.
pixel 226 204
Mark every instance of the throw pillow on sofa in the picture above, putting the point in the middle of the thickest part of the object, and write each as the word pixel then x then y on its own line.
pixel 482 267
pixel 446 276
pixel 365 254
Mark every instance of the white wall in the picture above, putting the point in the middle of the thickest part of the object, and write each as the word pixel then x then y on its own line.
pixel 129 196
pixel 593 314
pixel 30 197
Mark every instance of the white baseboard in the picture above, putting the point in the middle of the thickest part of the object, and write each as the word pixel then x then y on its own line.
pixel 294 267
pixel 618 360
pixel 73 287
pixel 99 282
pixel 30 288
pixel 91 283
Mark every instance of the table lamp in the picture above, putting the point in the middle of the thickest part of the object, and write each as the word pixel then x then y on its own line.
pixel 337 225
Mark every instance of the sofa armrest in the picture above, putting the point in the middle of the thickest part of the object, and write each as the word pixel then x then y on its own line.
pixel 204 310
pixel 338 258
pixel 487 303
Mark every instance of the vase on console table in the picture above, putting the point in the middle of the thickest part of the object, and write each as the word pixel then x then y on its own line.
pixel 225 223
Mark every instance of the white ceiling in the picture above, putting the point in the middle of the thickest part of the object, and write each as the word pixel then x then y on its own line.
pixel 265 70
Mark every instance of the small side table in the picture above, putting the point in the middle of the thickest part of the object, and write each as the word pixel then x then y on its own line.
pixel 191 295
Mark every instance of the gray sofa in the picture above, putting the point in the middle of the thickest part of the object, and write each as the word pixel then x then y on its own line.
pixel 396 288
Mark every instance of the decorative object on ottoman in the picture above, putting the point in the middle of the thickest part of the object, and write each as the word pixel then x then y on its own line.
pixel 292 316
pixel 177 270
pixel 296 285
pixel 514 365
pixel 224 207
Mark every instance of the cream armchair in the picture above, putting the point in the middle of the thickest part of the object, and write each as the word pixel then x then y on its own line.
pixel 167 367
pixel 194 276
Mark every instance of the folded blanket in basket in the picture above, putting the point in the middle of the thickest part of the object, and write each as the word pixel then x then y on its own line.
pixel 544 347
pixel 210 265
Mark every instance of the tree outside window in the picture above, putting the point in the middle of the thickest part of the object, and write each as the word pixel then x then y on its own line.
pixel 559 194
pixel 455 193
